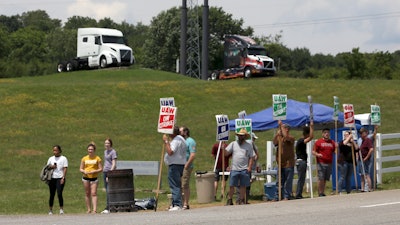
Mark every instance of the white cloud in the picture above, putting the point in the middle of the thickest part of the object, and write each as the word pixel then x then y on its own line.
pixel 115 10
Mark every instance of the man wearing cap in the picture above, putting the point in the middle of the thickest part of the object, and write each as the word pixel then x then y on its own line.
pixel 242 161
pixel 287 159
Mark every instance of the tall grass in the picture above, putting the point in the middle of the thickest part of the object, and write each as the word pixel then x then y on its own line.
pixel 72 109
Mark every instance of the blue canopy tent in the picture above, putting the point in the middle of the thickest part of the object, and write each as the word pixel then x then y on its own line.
pixel 298 115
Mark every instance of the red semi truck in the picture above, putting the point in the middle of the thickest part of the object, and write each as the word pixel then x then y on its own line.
pixel 243 57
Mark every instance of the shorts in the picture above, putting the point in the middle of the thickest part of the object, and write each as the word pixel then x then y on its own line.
pixel 217 177
pixel 324 171
pixel 239 178
pixel 87 179
pixel 186 177
pixel 366 167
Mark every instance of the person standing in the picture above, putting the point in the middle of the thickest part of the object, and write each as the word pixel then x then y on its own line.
pixel 59 163
pixel 323 150
pixel 286 160
pixel 187 171
pixel 90 168
pixel 255 165
pixel 110 164
pixel 242 161
pixel 347 147
pixel 302 156
pixel 175 158
pixel 218 168
pixel 366 148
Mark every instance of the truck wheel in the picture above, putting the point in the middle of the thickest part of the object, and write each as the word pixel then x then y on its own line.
pixel 215 75
pixel 247 73
pixel 103 62
pixel 69 67
pixel 60 67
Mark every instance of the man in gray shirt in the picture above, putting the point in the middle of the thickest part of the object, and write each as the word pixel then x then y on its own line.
pixel 242 161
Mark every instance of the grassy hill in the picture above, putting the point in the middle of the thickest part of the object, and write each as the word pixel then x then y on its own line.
pixel 72 109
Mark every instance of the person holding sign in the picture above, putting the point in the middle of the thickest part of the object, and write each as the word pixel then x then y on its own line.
pixel 175 158
pixel 366 149
pixel 301 162
pixel 242 161
pixel 347 146
pixel 323 150
pixel 286 159
pixel 219 168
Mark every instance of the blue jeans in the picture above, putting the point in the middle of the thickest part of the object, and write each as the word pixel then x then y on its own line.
pixel 106 187
pixel 174 179
pixel 286 182
pixel 301 166
pixel 346 171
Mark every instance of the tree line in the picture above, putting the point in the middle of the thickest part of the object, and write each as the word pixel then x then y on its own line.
pixel 31 44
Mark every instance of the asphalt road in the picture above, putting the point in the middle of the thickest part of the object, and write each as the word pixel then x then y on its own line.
pixel 380 207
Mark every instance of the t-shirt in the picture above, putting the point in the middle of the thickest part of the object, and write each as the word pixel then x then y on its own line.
pixel 214 152
pixel 346 153
pixel 91 164
pixel 191 148
pixel 62 163
pixel 326 148
pixel 365 146
pixel 179 147
pixel 109 156
pixel 301 149
pixel 240 154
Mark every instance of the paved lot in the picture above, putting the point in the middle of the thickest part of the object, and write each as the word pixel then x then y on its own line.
pixel 380 207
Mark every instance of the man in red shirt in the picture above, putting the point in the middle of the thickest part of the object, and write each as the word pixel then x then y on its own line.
pixel 323 150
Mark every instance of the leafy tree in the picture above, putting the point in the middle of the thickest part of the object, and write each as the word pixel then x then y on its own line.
pixel 379 65
pixel 76 22
pixel 12 23
pixel 39 20
pixel 107 23
pixel 356 65
pixel 163 43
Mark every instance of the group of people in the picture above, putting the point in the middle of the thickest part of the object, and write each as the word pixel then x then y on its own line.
pixel 350 152
pixel 180 152
pixel 91 166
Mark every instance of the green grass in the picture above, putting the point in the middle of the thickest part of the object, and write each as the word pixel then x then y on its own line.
pixel 72 109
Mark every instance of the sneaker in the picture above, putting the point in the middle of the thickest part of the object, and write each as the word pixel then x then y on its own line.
pixel 175 208
pixel 185 207
pixel 61 211
pixel 50 212
pixel 229 202
pixel 321 195
pixel 299 197
pixel 105 211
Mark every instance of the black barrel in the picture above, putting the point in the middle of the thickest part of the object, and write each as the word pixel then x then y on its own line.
pixel 121 191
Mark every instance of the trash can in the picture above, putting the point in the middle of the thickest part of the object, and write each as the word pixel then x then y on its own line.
pixel 120 192
pixel 205 187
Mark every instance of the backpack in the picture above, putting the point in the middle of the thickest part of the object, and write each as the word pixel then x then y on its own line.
pixel 45 174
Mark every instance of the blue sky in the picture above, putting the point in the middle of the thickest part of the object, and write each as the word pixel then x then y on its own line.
pixel 322 26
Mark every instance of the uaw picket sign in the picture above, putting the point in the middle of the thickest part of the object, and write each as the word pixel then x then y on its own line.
pixel 279 104
pixel 167 101
pixel 243 123
pixel 375 115
pixel 222 127
pixel 167 119
pixel 348 111
pixel 335 108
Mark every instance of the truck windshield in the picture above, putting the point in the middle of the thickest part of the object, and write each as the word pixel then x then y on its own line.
pixel 257 51
pixel 113 39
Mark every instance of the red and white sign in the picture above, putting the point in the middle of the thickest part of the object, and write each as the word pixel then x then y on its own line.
pixel 167 119
pixel 348 111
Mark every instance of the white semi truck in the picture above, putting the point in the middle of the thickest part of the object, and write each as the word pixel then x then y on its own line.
pixel 98 48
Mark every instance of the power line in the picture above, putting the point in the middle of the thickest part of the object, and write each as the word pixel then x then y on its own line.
pixel 331 20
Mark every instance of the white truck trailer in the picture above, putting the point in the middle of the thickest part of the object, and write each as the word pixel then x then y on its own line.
pixel 98 48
